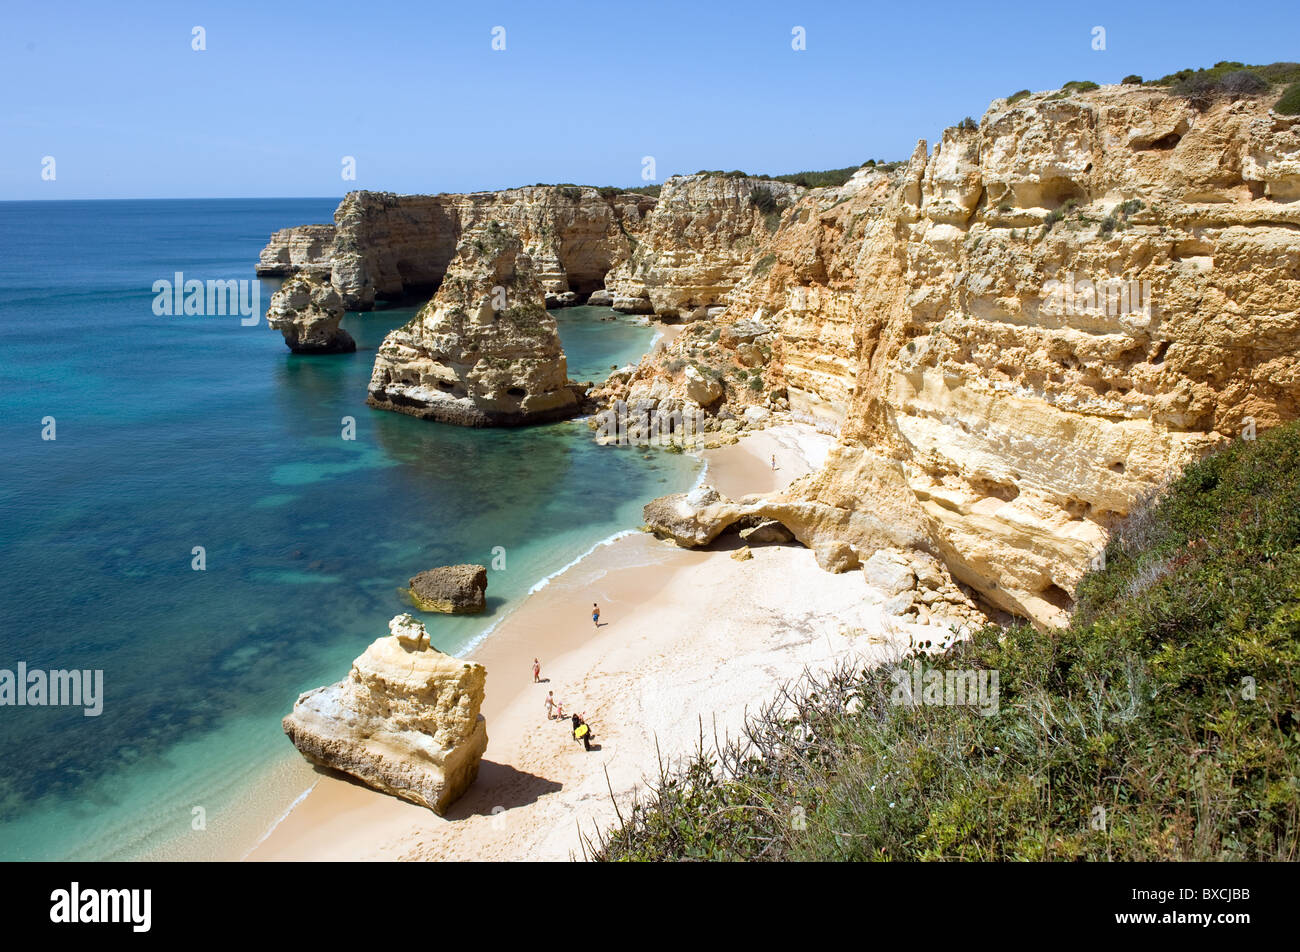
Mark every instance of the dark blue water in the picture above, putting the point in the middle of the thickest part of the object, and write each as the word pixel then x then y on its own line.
pixel 181 432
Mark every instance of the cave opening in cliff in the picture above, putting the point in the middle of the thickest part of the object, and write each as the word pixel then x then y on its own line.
pixel 1058 597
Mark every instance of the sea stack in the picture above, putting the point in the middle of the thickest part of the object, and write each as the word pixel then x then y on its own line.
pixel 307 311
pixel 483 352
pixel 405 720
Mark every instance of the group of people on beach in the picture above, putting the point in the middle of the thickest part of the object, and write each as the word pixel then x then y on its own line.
pixel 555 708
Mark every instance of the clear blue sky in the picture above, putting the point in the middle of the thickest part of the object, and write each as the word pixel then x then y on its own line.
pixel 115 93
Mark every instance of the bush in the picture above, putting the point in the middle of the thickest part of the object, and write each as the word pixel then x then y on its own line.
pixel 968 125
pixel 829 177
pixel 1017 96
pixel 1242 83
pixel 1228 78
pixel 1131 80
pixel 1080 86
pixel 1167 710
pixel 1289 104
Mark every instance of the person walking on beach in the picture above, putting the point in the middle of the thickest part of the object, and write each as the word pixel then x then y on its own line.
pixel 537 671
pixel 595 614
pixel 774 462
pixel 550 705
pixel 582 732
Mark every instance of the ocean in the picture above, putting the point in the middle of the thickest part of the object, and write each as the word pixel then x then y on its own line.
pixel 200 530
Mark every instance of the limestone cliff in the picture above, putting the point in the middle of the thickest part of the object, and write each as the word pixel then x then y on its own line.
pixel 1021 332
pixel 484 351
pixel 386 246
pixel 308 248
pixel 697 244
pixel 405 720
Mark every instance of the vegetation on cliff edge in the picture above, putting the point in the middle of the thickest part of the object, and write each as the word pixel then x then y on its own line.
pixel 1160 724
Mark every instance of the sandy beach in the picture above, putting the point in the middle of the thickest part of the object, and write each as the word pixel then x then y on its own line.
pixel 688 639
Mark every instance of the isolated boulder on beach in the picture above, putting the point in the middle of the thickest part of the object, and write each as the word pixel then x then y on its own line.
pixel 452 589
pixel 405 720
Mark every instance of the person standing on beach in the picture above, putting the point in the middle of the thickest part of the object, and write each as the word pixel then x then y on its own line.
pixel 595 614
pixel 550 705
pixel 582 731
pixel 774 462
pixel 537 671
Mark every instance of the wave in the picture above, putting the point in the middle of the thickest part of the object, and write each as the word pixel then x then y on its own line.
pixel 283 816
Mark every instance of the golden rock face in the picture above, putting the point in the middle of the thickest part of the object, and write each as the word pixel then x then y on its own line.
pixel 1023 331
pixel 405 720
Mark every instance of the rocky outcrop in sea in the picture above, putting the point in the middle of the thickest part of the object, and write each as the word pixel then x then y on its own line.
pixel 484 351
pixel 307 311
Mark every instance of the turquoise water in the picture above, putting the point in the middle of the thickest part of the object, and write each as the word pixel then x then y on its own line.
pixel 178 432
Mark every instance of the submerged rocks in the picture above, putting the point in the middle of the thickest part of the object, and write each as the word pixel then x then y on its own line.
pixel 307 311
pixel 405 720
pixel 484 351
pixel 453 589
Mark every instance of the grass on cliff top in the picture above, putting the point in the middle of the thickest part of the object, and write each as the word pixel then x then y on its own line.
pixel 1231 79
pixel 1160 725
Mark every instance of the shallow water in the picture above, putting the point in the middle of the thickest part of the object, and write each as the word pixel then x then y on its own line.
pixel 183 432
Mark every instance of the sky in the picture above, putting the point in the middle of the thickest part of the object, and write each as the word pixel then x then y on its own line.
pixel 113 100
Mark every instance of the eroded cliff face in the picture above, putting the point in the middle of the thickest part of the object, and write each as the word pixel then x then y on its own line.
pixel 484 351
pixel 697 244
pixel 405 720
pixel 1022 332
pixel 307 310
pixel 303 248
pixel 385 246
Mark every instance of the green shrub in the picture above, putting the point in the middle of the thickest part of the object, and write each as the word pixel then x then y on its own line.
pixel 1289 104
pixel 1160 724
pixel 1017 96
pixel 1131 80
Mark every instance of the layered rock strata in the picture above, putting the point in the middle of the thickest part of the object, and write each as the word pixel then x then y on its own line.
pixel 390 247
pixel 484 351
pixel 304 248
pixel 405 720
pixel 697 244
pixel 1022 332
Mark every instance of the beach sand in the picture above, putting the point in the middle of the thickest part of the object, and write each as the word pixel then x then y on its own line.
pixel 688 640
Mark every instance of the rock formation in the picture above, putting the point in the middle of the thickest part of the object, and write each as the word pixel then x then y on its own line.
pixel 453 589
pixel 306 248
pixel 1022 332
pixel 307 311
pixel 405 720
pixel 697 244
pixel 1016 334
pixel 387 247
pixel 484 351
